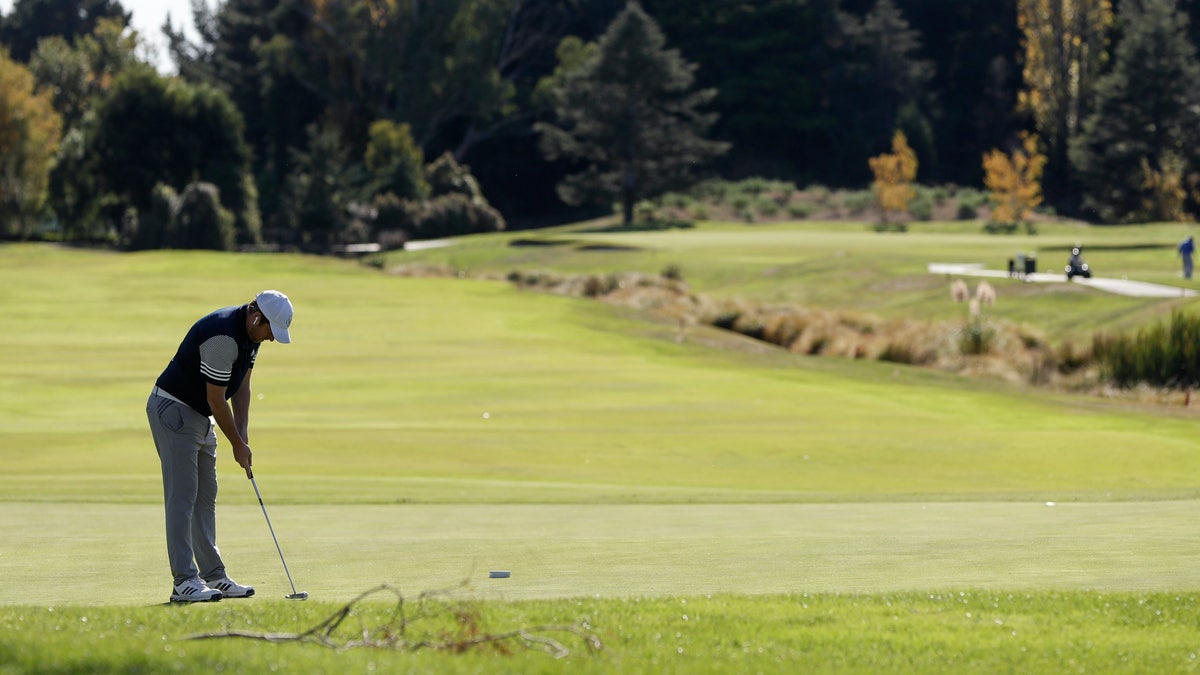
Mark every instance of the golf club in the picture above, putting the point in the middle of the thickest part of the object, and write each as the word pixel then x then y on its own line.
pixel 301 595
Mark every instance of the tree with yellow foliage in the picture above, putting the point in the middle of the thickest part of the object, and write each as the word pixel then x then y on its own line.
pixel 1014 183
pixel 894 175
pixel 30 131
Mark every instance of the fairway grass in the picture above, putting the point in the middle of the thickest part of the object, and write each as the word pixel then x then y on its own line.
pixel 803 514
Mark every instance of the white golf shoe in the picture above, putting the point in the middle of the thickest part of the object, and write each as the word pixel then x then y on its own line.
pixel 230 588
pixel 194 590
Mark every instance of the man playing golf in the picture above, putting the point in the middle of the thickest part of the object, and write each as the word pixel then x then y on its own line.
pixel 210 371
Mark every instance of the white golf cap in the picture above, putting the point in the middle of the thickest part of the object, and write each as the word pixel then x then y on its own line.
pixel 278 310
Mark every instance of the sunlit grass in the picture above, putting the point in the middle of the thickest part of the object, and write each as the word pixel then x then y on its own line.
pixel 842 515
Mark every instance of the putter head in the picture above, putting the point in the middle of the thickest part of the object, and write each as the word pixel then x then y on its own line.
pixel 302 595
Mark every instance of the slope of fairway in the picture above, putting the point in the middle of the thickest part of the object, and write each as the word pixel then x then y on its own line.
pixel 446 390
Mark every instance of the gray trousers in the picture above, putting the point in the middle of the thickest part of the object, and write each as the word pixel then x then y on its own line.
pixel 187 449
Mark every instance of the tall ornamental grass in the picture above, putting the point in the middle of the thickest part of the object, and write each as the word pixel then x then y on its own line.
pixel 1162 354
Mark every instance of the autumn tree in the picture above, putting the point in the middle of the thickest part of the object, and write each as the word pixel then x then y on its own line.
pixel 30 131
pixel 1014 183
pixel 630 118
pixel 894 175
pixel 1065 53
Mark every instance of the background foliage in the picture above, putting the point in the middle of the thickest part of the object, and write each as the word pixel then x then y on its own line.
pixel 804 91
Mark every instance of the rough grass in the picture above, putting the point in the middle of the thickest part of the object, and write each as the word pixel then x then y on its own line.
pixel 928 632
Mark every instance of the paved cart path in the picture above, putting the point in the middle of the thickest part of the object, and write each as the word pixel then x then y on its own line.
pixel 1139 289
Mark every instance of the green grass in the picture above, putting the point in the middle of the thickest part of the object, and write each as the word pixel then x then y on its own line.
pixel 846 265
pixel 619 472
pixel 929 632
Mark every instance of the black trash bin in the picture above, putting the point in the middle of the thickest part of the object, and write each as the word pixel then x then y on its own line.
pixel 1030 265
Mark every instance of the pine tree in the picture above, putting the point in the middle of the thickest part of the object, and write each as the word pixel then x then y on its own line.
pixel 1065 53
pixel 629 118
pixel 1146 125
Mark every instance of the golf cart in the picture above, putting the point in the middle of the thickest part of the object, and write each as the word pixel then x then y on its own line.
pixel 1076 267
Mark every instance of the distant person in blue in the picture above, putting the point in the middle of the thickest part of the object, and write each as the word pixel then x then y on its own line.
pixel 1186 249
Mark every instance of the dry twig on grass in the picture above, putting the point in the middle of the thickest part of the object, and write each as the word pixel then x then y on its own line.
pixel 399 631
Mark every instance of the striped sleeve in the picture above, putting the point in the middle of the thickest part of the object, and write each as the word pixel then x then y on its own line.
pixel 217 355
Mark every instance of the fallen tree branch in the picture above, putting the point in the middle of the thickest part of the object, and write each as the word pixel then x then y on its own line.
pixel 396 631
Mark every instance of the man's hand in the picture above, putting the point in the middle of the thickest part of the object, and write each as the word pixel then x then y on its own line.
pixel 242 455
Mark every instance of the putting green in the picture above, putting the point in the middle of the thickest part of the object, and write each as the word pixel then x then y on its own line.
pixel 58 554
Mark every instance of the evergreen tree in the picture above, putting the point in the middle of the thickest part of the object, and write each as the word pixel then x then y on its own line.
pixel 149 130
pixel 319 190
pixel 878 86
pixel 1146 126
pixel 31 20
pixel 1065 54
pixel 630 118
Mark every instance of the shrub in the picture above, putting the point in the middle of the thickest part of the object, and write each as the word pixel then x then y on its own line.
pixel 446 177
pixel 392 212
pixel 155 228
pixel 727 320
pixel 992 227
pixel 677 201
pixel 455 214
pixel 976 337
pixel 1071 358
pixel 1161 355
pixel 201 222
pixel 596 286
pixel 645 211
pixel 715 190
pixel 755 186
pixel 921 206
pixel 858 201
pixel 969 202
pixel 801 210
pixel 898 351
pixel 767 208
pixel 819 193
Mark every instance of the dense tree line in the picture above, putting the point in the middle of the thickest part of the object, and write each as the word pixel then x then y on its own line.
pixel 314 123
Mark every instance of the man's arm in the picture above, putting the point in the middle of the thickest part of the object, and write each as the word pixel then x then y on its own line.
pixel 241 407
pixel 229 425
